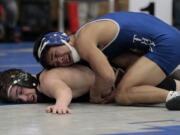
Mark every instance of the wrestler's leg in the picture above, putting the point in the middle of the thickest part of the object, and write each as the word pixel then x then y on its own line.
pixel 127 59
pixel 138 84
pixel 168 83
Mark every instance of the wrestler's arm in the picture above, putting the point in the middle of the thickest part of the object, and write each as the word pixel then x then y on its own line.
pixel 104 74
pixel 56 88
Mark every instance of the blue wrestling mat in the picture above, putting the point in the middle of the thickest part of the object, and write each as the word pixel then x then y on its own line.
pixel 18 56
pixel 164 130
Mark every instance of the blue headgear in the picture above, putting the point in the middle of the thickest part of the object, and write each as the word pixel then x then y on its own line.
pixel 57 38
pixel 51 39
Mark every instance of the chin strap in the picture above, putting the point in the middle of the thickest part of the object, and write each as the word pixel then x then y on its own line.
pixel 8 91
pixel 74 53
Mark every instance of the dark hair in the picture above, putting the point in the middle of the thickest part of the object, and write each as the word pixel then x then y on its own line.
pixel 41 60
pixel 6 81
pixel 15 77
pixel 36 47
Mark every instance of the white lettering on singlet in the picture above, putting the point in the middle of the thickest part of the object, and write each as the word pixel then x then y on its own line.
pixel 144 41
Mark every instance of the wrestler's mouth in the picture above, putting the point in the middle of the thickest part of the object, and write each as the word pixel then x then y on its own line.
pixel 67 60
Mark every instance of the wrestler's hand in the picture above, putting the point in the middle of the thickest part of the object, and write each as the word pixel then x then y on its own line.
pixel 98 90
pixel 95 97
pixel 109 98
pixel 101 98
pixel 58 109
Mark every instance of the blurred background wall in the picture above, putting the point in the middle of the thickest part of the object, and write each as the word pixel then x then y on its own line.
pixel 25 20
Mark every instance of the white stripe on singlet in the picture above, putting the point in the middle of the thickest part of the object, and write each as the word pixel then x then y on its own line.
pixel 118 27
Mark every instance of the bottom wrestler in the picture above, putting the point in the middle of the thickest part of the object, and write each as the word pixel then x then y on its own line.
pixel 59 84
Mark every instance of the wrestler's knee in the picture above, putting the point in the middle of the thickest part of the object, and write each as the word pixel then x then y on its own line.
pixel 125 89
pixel 122 96
pixel 122 99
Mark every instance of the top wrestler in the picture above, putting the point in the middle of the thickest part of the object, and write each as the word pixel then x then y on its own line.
pixel 98 41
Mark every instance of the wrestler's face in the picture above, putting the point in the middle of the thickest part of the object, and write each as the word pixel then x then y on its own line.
pixel 59 56
pixel 22 95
